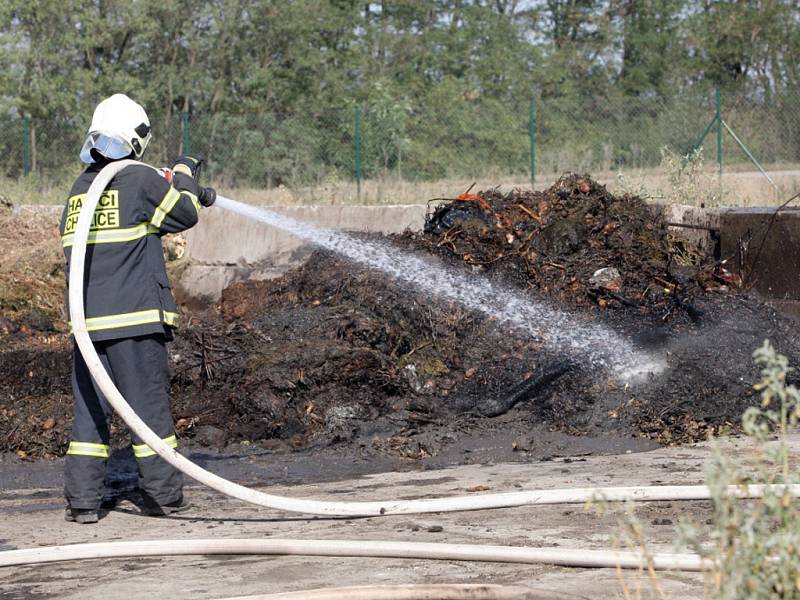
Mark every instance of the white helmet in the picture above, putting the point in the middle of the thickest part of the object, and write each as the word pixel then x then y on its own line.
pixel 119 127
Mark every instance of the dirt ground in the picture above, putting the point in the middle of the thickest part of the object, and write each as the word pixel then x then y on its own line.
pixel 31 510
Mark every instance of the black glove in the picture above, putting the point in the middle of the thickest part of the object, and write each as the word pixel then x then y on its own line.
pixel 183 183
pixel 207 196
pixel 190 165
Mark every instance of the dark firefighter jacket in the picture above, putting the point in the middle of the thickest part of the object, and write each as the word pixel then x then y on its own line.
pixel 126 289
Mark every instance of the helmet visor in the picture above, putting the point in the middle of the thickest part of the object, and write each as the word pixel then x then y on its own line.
pixel 111 146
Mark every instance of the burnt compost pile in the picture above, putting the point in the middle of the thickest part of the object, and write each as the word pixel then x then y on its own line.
pixel 576 244
pixel 335 352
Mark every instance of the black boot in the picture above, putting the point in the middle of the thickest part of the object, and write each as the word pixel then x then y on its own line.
pixel 163 510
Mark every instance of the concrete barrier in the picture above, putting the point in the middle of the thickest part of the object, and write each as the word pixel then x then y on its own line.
pixel 225 247
pixel 764 248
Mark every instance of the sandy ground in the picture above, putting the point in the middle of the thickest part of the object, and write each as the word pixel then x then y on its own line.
pixel 33 516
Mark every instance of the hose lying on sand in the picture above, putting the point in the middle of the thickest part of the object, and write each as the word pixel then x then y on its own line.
pixel 357 548
pixel 316 507
pixel 445 591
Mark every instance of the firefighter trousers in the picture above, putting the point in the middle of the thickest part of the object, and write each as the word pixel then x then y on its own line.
pixel 138 366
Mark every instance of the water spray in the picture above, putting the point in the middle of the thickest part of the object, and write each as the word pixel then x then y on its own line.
pixel 558 331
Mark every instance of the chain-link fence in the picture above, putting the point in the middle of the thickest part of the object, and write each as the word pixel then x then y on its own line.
pixel 452 139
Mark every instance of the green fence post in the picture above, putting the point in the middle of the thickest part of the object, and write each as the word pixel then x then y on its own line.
pixel 749 155
pixel 358 150
pixel 186 139
pixel 26 146
pixel 719 131
pixel 532 131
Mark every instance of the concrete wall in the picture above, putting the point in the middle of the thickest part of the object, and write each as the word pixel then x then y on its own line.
pixel 764 247
pixel 702 225
pixel 225 247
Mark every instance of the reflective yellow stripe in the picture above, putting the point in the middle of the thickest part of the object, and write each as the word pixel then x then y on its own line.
pixel 108 236
pixel 141 317
pixel 166 205
pixel 87 449
pixel 193 198
pixel 95 453
pixel 143 450
pixel 91 445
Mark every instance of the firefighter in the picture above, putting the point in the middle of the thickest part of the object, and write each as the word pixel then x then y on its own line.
pixel 130 311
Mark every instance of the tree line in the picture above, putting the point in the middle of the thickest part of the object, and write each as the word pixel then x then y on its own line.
pixel 282 75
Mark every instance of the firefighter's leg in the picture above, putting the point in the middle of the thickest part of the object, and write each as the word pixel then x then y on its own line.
pixel 88 452
pixel 142 375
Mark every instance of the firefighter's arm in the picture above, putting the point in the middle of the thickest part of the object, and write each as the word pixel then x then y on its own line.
pixel 190 167
pixel 174 206
pixel 169 208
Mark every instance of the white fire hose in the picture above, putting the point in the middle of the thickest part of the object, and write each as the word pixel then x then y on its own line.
pixel 356 548
pixel 586 558
pixel 448 591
